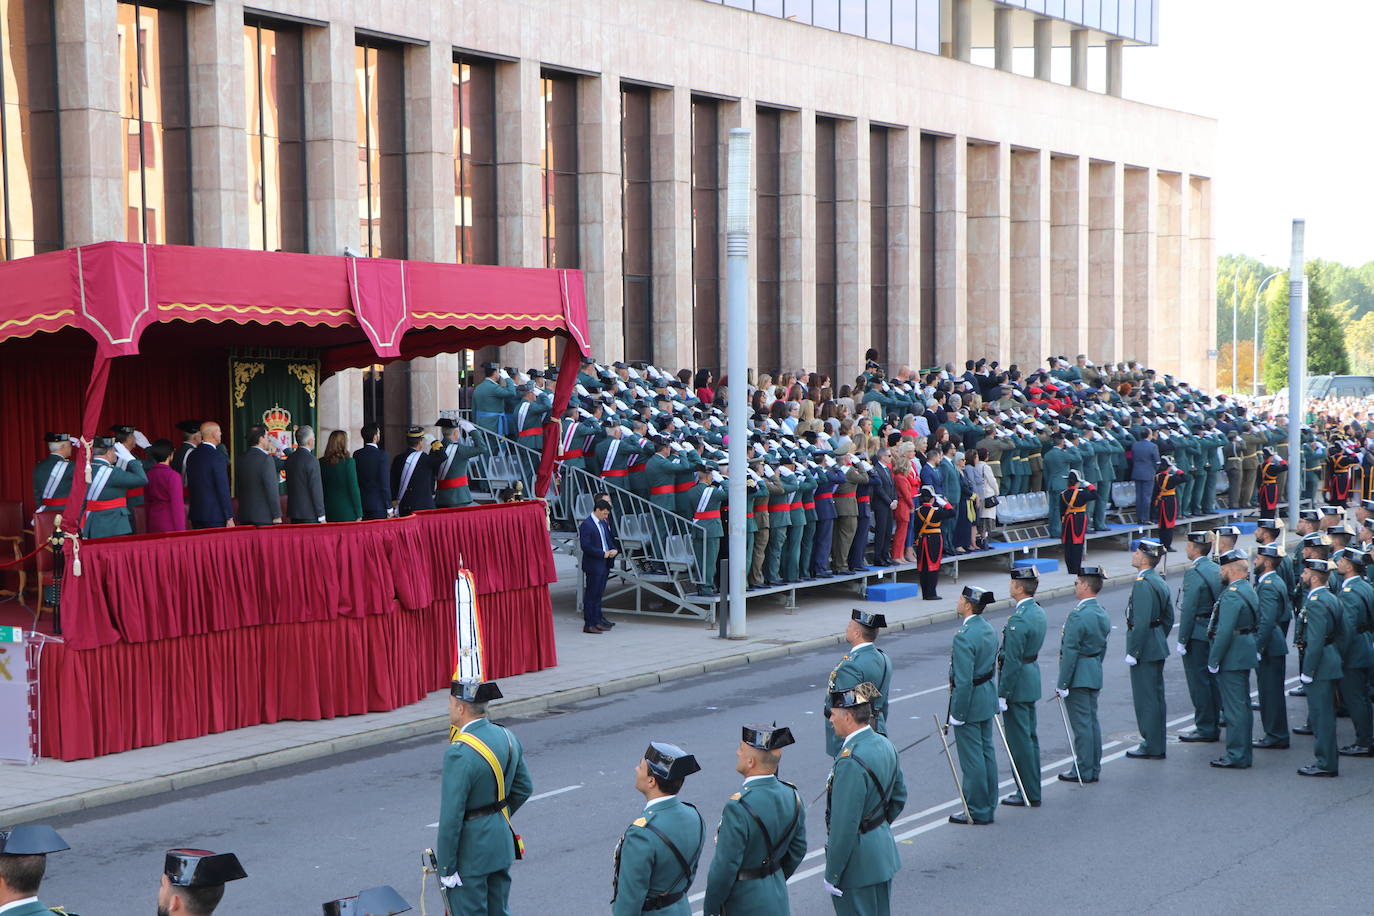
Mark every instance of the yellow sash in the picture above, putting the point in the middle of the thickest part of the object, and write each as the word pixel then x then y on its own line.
pixel 481 748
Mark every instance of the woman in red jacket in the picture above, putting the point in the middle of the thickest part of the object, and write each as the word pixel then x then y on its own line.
pixel 906 493
pixel 164 502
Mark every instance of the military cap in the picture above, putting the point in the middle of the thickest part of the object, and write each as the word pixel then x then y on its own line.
pixel 668 761
pixel 31 840
pixel 524 388
pixel 1150 547
pixel 1367 505
pixel 1091 571
pixel 122 430
pixel 1315 539
pixel 708 466
pixel 375 901
pixel 767 737
pixel 471 691
pixel 189 426
pixel 492 367
pixel 1268 550
pixel 1338 531
pixel 1234 555
pixel 445 423
pixel 1200 538
pixel 56 437
pixel 979 596
pixel 102 443
pixel 1228 531
pixel 1311 515
pixel 1025 572
pixel 1319 565
pixel 857 695
pixel 1358 557
pixel 586 361
pixel 870 620
pixel 415 432
pixel 1270 524
pixel 1331 510
pixel 201 868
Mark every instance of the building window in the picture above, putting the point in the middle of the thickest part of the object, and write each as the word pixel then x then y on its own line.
pixel 706 187
pixel 381 149
pixel 29 175
pixel 275 94
pixel 637 221
pixel 474 160
pixel 154 124
pixel 768 169
pixel 878 177
pixel 827 300
pixel 559 161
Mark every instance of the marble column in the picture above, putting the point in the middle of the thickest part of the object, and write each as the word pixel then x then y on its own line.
pixel 520 182
pixel 1078 58
pixel 1172 295
pixel 1044 47
pixel 963 30
pixel 853 259
pixel 1138 262
pixel 989 263
pixel 1114 67
pixel 1199 367
pixel 951 247
pixel 600 201
pixel 331 146
pixel 798 210
pixel 88 88
pixel 1029 254
pixel 1002 24
pixel 904 248
pixel 1071 319
pixel 1105 262
pixel 671 122
pixel 219 129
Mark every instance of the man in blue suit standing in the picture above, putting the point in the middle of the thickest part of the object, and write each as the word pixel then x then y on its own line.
pixel 599 550
pixel 207 478
pixel 1144 462
pixel 374 482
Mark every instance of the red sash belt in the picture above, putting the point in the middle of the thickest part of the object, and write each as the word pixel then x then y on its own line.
pixel 100 505
pixel 863 499
pixel 684 486
pixel 135 492
pixel 846 495
pixel 795 506
pixel 453 483
pixel 532 431
pixel 662 490
pixel 808 505
pixel 782 507
pixel 616 472
pixel 55 502
pixel 575 453
pixel 826 495
pixel 714 513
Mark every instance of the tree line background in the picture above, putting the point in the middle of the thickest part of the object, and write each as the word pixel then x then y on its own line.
pixel 1340 320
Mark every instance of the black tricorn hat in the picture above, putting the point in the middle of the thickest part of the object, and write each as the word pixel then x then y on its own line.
pixel 1318 565
pixel 1235 555
pixel 854 696
pixel 31 840
pixel 668 761
pixel 1025 572
pixel 1092 571
pixel 979 596
pixel 189 426
pixel 445 423
pixel 56 437
pixel 475 691
pixel 375 901
pixel 868 619
pixel 1268 550
pixel 1311 515
pixel 767 737
pixel 201 868
pixel 1200 538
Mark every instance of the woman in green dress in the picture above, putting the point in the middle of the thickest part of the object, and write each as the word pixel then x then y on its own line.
pixel 342 502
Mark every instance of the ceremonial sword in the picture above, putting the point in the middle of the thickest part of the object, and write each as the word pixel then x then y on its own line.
pixel 899 753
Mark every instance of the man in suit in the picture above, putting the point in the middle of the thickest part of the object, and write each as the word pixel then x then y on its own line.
pixel 207 477
pixel 599 550
pixel 656 858
pixel 374 483
pixel 882 501
pixel 412 474
pixel 304 489
pixel 1082 646
pixel 259 484
pixel 23 860
pixel 1144 459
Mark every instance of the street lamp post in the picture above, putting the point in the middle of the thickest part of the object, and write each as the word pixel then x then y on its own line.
pixel 1254 354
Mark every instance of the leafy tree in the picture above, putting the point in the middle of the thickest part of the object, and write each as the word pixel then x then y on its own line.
pixel 1274 371
pixel 1359 344
pixel 1326 354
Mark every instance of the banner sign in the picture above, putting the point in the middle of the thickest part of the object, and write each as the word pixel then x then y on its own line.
pixel 467 647
pixel 279 393
pixel 15 734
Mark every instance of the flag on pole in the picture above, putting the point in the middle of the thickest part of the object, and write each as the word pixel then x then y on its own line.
pixel 468 662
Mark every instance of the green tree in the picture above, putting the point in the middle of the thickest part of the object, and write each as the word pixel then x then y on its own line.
pixel 1325 336
pixel 1359 344
pixel 1274 368
pixel 1325 331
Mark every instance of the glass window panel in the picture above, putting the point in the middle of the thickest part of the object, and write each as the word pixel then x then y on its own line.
pixel 827 319
pixel 878 181
pixel 880 20
pixel 854 17
pixel 825 13
pixel 706 186
pixel 154 123
pixel 798 10
pixel 1037 6
pixel 1055 8
pixel 768 7
pixel 1073 10
pixel 1144 20
pixel 739 4
pixel 474 161
pixel 928 26
pixel 1109 17
pixel 636 159
pixel 559 158
pixel 767 167
pixel 1126 17
pixel 381 150
pixel 30 187
pixel 274 96
pixel 904 23
pixel 1092 13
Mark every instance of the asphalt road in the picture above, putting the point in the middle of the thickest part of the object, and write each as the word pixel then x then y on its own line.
pixel 1171 836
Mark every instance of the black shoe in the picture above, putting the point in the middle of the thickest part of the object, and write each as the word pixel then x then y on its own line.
pixel 1197 737
pixel 1069 777
pixel 1269 745
pixel 1298 691
pixel 1313 770
pixel 930 597
pixel 1356 750
pixel 962 820
pixel 1141 755
pixel 772 583
pixel 604 623
pixel 597 630
pixel 1016 801
pixel 1221 763
pixel 1301 729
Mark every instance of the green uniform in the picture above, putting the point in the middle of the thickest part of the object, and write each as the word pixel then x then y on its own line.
pixel 480 850
pixel 1097 465
pixel 791 560
pixel 526 422
pixel 108 488
pixel 1149 617
pixel 1357 611
pixel 647 869
pixel 1057 462
pixel 491 402
pixel 973 702
pixel 1018 682
pixel 1185 456
pixel 1212 464
pixel 864 794
pixel 52 484
pixel 707 500
pixel 1276 611
pixel 1235 622
pixel 768 490
pixel 780 522
pixel 1082 646
pixel 613 457
pixel 807 495
pixel 863 663
pixel 1201 587
pixel 760 841
pixel 660 477
pixel 1318 632
pixel 451 488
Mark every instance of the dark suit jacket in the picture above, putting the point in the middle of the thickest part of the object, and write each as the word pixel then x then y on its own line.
pixel 884 488
pixel 1144 460
pixel 593 555
pixel 374 482
pixel 259 488
pixel 420 492
pixel 179 457
pixel 304 489
pixel 207 476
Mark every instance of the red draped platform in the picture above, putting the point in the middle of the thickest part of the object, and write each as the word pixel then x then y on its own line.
pixel 174 636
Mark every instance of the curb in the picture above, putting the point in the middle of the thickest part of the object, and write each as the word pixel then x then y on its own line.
pixel 432 725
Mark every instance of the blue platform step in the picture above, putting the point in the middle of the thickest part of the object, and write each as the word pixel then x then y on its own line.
pixel 1246 527
pixel 1041 565
pixel 894 591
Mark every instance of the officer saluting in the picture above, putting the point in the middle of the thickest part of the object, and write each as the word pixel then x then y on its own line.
pixel 973 703
pixel 863 662
pixel 485 781
pixel 656 858
pixel 23 859
pixel 864 795
pixel 761 838
pixel 193 881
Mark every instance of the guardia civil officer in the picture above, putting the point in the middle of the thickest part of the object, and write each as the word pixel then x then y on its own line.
pixel 1233 655
pixel 23 860
pixel 973 703
pixel 1018 682
pixel 193 881
pixel 761 838
pixel 656 858
pixel 1082 646
pixel 1149 617
pixel 864 794
pixel 1357 619
pixel 863 662
pixel 484 782
pixel 1201 586
pixel 1317 633
pixel 1276 612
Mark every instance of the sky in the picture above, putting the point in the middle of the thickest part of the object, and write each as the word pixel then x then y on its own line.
pixel 1289 82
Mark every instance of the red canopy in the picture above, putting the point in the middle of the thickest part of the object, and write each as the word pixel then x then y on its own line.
pixel 356 311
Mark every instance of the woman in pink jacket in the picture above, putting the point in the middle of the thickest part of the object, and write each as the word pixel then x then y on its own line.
pixel 163 498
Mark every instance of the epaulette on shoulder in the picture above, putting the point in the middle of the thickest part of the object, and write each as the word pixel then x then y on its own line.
pixel 735 797
pixel 844 753
pixel 639 822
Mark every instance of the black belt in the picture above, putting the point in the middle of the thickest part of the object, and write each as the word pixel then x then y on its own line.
pixel 1095 654
pixel 1247 631
pixel 873 821
pixel 662 901
pixel 754 874
pixel 1204 615
pixel 982 679
pixel 483 811
pixel 1159 622
pixel 1027 661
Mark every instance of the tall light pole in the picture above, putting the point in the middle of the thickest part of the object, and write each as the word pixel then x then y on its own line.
pixel 1297 367
pixel 1254 351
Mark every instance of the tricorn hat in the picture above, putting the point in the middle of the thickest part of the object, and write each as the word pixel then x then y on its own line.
pixel 201 868
pixel 31 840
pixel 1025 572
pixel 470 691
pixel 375 901
pixel 668 761
pixel 979 596
pixel 868 619
pixel 767 737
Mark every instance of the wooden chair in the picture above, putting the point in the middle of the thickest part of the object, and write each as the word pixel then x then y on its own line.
pixel 12 533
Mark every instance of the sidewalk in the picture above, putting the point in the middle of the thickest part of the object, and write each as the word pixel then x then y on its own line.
pixel 640 652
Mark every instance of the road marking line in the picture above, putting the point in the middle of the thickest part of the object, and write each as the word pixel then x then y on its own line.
pixel 919 693
pixel 549 794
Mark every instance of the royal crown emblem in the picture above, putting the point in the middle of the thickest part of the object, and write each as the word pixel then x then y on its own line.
pixel 278 422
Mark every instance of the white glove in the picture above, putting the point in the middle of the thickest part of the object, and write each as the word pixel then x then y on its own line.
pixel 1304 678
pixel 320 519
pixel 1130 660
pixel 1259 657
pixel 954 721
pixel 141 440
pixel 504 375
pixel 451 881
pixel 1063 694
pixel 123 452
pixel 467 426
pixel 1213 669
pixel 831 889
pixel 1001 704
pixel 1180 648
